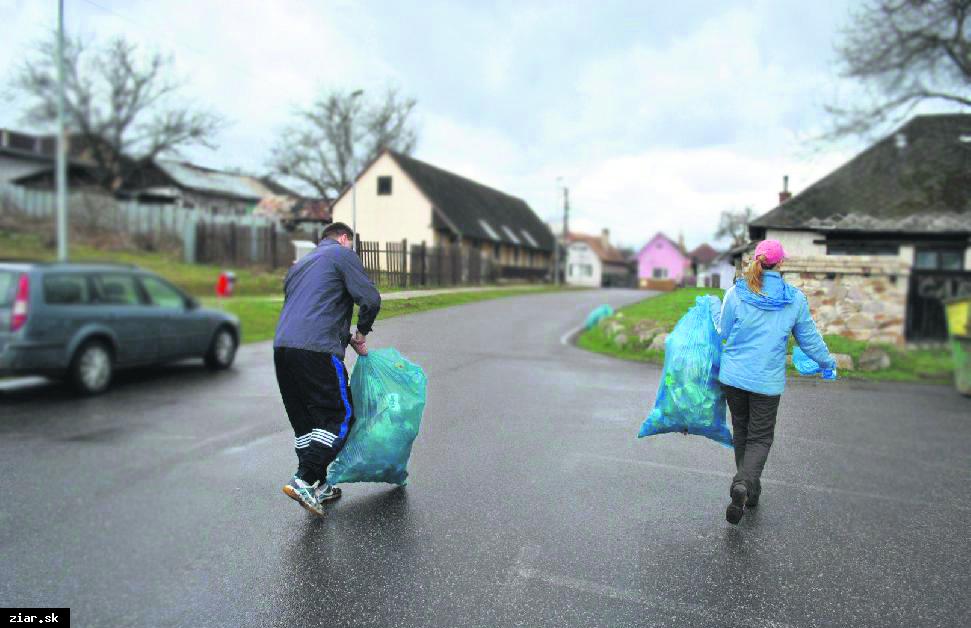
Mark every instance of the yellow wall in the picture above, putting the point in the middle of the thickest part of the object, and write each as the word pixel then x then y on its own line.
pixel 404 214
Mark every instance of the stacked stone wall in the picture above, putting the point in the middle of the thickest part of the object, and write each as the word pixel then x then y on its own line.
pixel 856 297
pixel 859 297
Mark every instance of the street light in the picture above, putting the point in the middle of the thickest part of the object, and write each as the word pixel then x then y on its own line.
pixel 354 96
pixel 60 172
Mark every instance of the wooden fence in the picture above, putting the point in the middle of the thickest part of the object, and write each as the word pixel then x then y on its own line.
pixel 206 237
pixel 237 243
pixel 396 264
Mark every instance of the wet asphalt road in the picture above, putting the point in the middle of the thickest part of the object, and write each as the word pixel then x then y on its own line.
pixel 531 502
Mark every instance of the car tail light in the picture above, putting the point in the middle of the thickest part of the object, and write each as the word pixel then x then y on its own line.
pixel 19 318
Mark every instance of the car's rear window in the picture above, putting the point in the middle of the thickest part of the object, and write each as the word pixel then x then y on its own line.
pixel 7 280
pixel 66 289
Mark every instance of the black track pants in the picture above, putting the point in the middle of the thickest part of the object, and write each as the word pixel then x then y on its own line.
pixel 753 429
pixel 317 396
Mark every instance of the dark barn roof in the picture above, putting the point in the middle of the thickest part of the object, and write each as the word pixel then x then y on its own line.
pixel 475 210
pixel 704 254
pixel 916 180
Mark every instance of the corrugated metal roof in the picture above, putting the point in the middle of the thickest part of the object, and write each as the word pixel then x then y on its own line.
pixel 205 180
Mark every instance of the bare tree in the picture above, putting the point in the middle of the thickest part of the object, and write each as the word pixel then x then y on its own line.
pixel 119 105
pixel 904 53
pixel 330 142
pixel 734 225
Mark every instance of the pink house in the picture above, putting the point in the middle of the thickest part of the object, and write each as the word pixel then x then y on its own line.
pixel 661 262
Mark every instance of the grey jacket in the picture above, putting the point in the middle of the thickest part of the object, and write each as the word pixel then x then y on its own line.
pixel 319 296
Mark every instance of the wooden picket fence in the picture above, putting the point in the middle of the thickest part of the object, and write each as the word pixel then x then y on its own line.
pixel 396 264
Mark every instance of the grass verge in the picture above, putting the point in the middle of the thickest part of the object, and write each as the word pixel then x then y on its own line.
pixel 196 279
pixel 259 316
pixel 663 311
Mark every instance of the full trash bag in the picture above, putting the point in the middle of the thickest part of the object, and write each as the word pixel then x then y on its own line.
pixel 803 363
pixel 690 399
pixel 389 398
pixel 598 315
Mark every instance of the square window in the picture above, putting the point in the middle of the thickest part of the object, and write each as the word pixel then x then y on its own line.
pixel 926 260
pixel 384 186
pixel 952 260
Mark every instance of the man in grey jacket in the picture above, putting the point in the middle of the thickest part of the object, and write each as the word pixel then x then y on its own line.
pixel 314 331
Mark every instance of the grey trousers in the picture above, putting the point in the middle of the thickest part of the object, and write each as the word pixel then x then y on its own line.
pixel 753 428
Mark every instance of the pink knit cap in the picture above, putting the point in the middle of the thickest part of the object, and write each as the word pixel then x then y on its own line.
pixel 772 250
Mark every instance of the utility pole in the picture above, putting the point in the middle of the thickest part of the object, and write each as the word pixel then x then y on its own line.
pixel 566 211
pixel 61 168
pixel 566 230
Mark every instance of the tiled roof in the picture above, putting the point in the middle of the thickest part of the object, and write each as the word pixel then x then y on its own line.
pixel 605 253
pixel 475 210
pixel 704 254
pixel 918 179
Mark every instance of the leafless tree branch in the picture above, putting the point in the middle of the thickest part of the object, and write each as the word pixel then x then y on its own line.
pixel 118 104
pixel 331 141
pixel 904 53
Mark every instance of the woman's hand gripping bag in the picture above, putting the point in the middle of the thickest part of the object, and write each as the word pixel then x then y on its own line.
pixel 690 399
pixel 389 398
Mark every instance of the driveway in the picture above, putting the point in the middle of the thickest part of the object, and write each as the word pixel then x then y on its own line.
pixel 531 501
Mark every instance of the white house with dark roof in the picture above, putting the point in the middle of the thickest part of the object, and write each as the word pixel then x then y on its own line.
pixel 401 198
pixel 592 261
pixel 881 241
pixel 907 196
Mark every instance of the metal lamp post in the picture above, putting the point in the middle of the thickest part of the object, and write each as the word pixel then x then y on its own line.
pixel 60 172
pixel 354 95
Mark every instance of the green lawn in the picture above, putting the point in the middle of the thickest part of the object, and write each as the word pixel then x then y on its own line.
pixel 259 316
pixel 666 309
pixel 196 279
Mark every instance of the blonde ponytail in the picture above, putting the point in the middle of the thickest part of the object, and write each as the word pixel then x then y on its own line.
pixel 753 274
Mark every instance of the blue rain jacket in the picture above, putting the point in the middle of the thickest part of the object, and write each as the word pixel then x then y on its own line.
pixel 756 328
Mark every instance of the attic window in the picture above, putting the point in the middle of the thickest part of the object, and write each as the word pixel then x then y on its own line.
pixel 530 239
pixel 488 229
pixel 510 234
pixel 384 186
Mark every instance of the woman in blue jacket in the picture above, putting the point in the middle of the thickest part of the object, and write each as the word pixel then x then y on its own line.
pixel 758 314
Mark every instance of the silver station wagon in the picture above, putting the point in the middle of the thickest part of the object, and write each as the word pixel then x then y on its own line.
pixel 81 322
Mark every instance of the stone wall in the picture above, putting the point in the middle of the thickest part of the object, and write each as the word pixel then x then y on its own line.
pixel 859 297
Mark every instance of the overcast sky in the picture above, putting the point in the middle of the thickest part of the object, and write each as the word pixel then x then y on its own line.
pixel 657 117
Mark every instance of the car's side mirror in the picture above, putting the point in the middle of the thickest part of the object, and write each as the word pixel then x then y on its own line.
pixel 191 304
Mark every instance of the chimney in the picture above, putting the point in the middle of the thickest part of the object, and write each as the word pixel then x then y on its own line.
pixel 605 238
pixel 785 194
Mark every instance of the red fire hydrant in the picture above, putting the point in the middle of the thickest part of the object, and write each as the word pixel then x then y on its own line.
pixel 225 284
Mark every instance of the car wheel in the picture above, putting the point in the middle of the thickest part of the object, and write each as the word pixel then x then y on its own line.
pixel 222 350
pixel 92 368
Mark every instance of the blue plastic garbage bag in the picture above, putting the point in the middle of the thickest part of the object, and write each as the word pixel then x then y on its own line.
pixel 389 398
pixel 803 363
pixel 598 315
pixel 690 399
